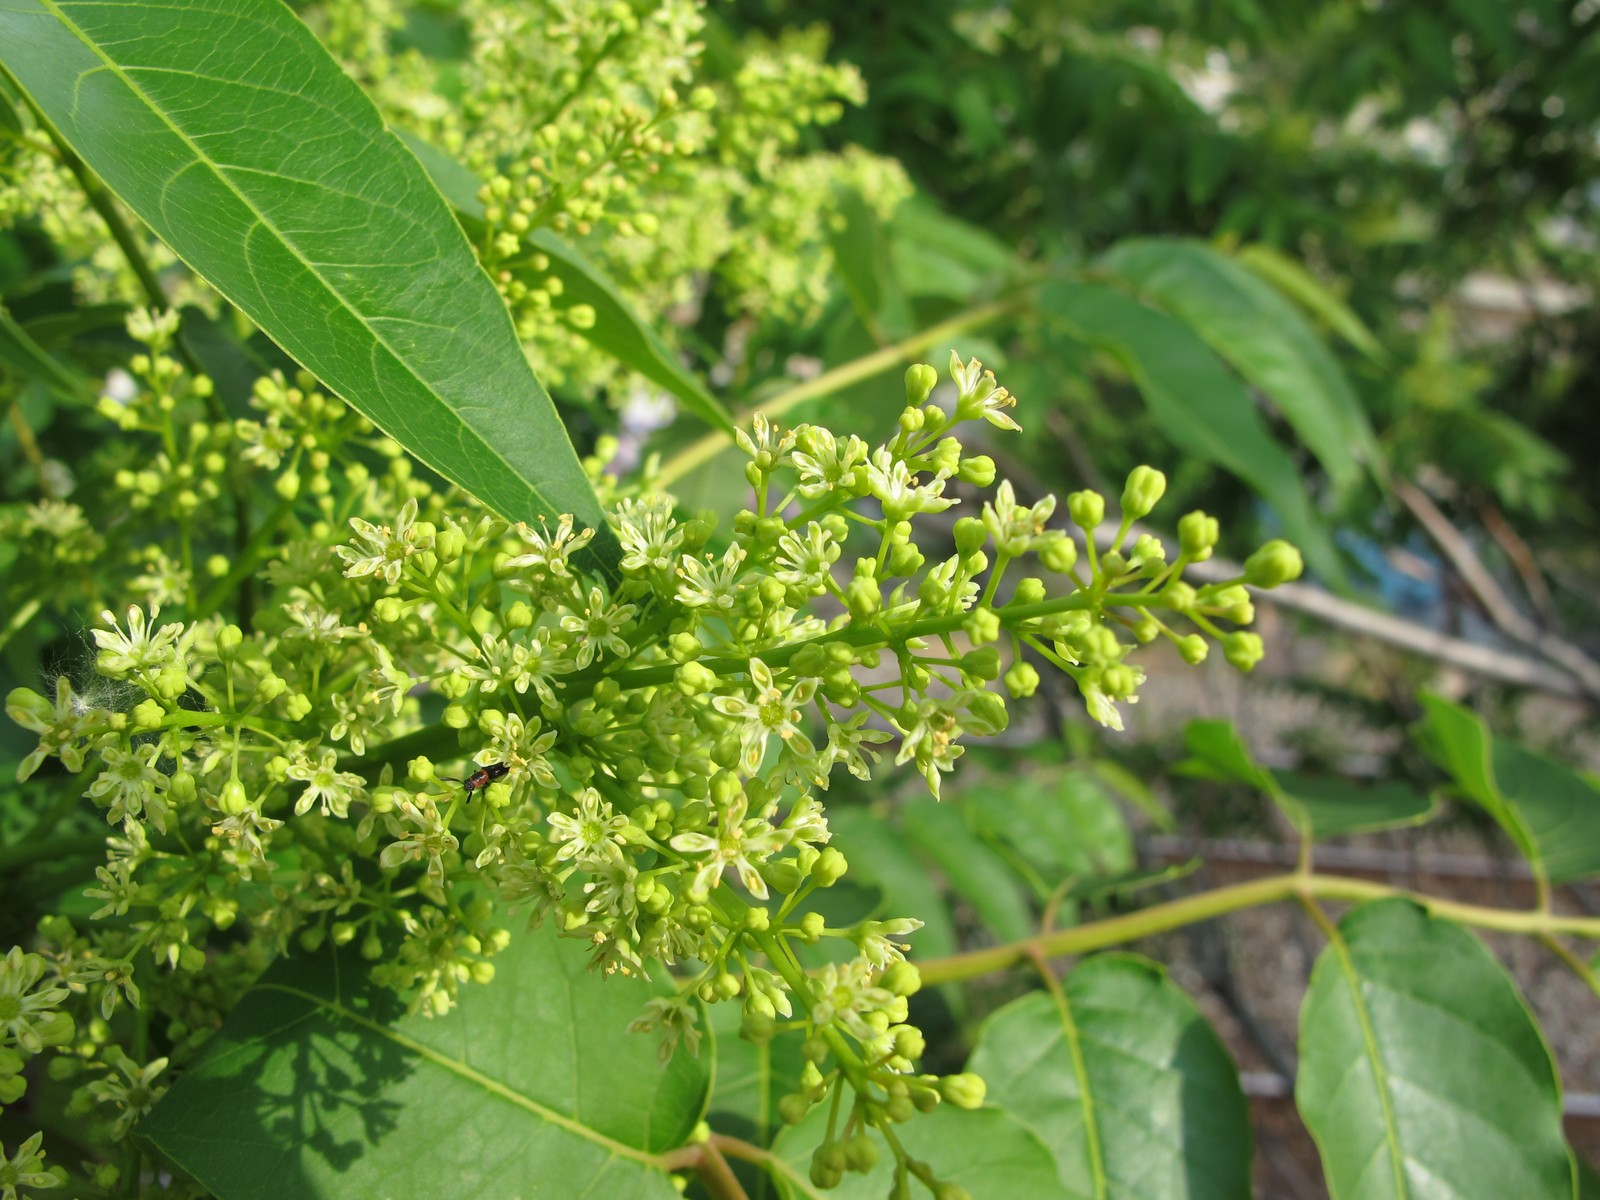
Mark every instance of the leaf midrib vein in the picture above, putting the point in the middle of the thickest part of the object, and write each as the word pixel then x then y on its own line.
pixel 472 1075
pixel 115 69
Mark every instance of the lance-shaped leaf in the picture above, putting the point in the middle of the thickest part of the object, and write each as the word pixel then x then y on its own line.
pixel 1261 336
pixel 319 1084
pixel 1422 1073
pixel 1318 808
pixel 1121 1077
pixel 231 132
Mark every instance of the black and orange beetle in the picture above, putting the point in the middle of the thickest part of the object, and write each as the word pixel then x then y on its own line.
pixel 479 779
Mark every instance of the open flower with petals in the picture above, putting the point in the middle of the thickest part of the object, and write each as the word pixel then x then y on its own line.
pixel 28 1016
pixel 380 550
pixel 737 843
pixel 598 627
pixel 327 785
pixel 591 836
pixel 977 394
pixel 62 726
pixel 143 648
pixel 770 711
pixel 708 584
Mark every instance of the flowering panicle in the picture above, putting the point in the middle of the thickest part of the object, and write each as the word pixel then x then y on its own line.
pixel 644 755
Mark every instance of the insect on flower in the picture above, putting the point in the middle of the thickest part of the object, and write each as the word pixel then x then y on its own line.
pixel 481 778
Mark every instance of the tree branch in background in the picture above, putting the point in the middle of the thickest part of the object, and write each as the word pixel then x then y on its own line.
pixel 1505 615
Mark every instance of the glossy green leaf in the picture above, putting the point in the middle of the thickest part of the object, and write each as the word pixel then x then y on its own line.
pixel 879 857
pixel 1422 1073
pixel 239 141
pixel 1063 823
pixel 617 329
pixel 319 1084
pixel 989 1152
pixel 1319 807
pixel 936 254
pixel 1125 1082
pixel 1551 813
pixel 1305 289
pixel 1338 807
pixel 1200 404
pixel 974 870
pixel 1259 334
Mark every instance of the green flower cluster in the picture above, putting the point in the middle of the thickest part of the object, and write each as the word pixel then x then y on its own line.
pixel 610 125
pixel 661 739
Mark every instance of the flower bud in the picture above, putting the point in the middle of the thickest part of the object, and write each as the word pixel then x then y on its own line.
pixel 792 1109
pixel 233 799
pixel 1194 649
pixel 977 470
pixel 1059 554
pixel 1022 680
pixel 694 679
pixel 983 664
pixel 830 867
pixel 920 381
pixel 147 714
pixel 964 1091
pixel 389 609
pixel 902 979
pixel 1276 562
pixel 1143 492
pixel 982 625
pixel 1087 509
pixel 970 536
pixel 1197 536
pixel 229 638
pixel 298 707
pixel 1242 650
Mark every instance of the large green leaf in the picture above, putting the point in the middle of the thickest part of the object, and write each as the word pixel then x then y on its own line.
pixel 1319 807
pixel 1261 336
pixel 1121 1077
pixel 1549 811
pixel 1063 823
pixel 319 1084
pixel 1306 290
pixel 1201 405
pixel 975 870
pixel 989 1152
pixel 1422 1073
pixel 235 137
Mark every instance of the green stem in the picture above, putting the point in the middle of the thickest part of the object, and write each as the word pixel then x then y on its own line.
pixel 712 444
pixel 1161 918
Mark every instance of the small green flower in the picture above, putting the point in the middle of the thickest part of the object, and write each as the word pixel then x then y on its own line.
pixel 770 711
pixel 806 561
pixel 28 1016
pixel 649 535
pixel 25 1169
pixel 385 550
pixel 327 785
pixel 708 584
pixel 591 837
pixel 598 627
pixel 144 648
pixel 737 843
pixel 127 781
pixel 62 726
pixel 844 995
pixel 133 1095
